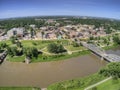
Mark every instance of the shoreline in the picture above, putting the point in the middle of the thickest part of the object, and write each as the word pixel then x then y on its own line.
pixel 67 56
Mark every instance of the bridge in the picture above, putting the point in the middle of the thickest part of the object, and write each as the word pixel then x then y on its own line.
pixel 2 56
pixel 100 52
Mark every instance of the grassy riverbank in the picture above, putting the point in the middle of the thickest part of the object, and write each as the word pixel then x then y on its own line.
pixel 46 58
pixel 111 47
pixel 19 88
pixel 16 58
pixel 77 84
pixel 39 44
pixel 109 85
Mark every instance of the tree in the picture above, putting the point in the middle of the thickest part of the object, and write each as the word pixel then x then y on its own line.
pixel 32 32
pixel 56 48
pixel 30 52
pixel 18 43
pixel 3 45
pixel 42 34
pixel 112 69
pixel 12 51
pixel 91 38
pixel 13 39
pixel 116 39
pixel 75 44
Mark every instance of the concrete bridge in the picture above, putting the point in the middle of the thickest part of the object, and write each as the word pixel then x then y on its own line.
pixel 100 52
pixel 2 56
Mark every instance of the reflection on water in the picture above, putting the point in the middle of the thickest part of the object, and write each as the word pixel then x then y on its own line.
pixel 43 74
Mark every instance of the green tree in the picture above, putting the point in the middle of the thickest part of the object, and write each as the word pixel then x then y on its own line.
pixel 12 51
pixel 30 52
pixel 32 32
pixel 116 39
pixel 13 39
pixel 42 34
pixel 18 43
pixel 56 48
pixel 91 38
pixel 112 69
pixel 3 45
pixel 75 44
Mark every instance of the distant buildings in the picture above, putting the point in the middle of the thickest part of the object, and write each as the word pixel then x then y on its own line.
pixel 16 32
pixel 56 32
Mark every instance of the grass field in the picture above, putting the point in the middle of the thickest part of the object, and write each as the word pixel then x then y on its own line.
pixel 109 85
pixel 16 58
pixel 77 84
pixel 71 48
pixel 46 58
pixel 37 43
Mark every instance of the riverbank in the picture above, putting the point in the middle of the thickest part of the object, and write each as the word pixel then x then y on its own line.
pixel 77 84
pixel 111 84
pixel 111 47
pixel 82 83
pixel 19 88
pixel 45 73
pixel 48 58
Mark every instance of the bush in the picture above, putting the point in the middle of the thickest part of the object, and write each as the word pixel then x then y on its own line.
pixel 75 44
pixel 30 52
pixel 56 48
pixel 14 51
pixel 94 88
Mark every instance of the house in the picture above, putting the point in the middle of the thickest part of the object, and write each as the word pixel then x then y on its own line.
pixel 16 32
pixel 32 26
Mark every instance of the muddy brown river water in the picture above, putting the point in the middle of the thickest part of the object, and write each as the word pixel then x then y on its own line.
pixel 46 73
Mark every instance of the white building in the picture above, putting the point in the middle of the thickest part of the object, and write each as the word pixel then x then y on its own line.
pixel 16 31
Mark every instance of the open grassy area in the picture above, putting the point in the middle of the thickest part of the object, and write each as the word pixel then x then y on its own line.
pixel 71 48
pixel 16 58
pixel 39 44
pixel 77 84
pixel 46 58
pixel 109 85
pixel 111 47
pixel 19 88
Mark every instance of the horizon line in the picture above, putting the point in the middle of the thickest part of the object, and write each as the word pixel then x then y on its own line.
pixel 59 15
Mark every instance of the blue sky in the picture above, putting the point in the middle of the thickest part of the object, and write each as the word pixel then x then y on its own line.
pixel 97 8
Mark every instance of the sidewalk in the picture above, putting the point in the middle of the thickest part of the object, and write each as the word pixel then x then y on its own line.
pixel 97 83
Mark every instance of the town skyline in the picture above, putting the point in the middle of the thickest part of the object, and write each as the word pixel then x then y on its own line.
pixel 94 8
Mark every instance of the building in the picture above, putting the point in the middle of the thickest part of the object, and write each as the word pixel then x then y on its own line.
pixel 16 32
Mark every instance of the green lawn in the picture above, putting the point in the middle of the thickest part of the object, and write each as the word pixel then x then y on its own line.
pixel 111 47
pixel 109 85
pixel 37 43
pixel 77 84
pixel 19 88
pixel 71 48
pixel 16 58
pixel 46 58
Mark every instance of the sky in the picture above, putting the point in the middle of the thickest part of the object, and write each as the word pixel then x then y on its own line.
pixel 95 8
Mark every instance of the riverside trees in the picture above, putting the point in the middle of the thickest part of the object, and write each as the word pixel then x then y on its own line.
pixel 56 48
pixel 30 52
pixel 112 69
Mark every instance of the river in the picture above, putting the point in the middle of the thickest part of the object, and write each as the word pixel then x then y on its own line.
pixel 46 73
